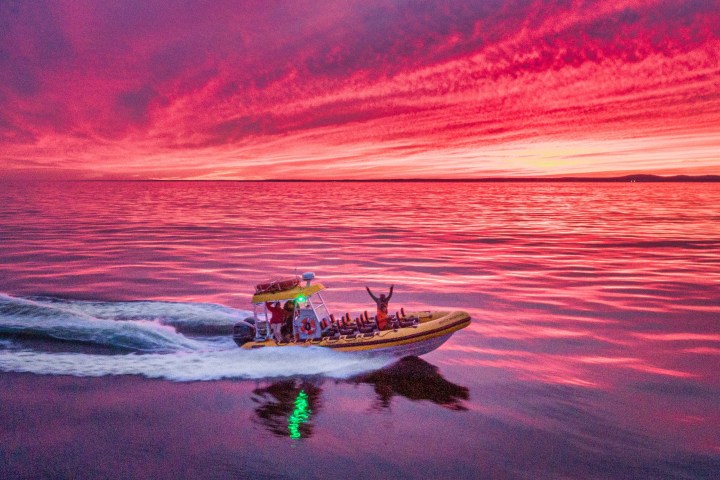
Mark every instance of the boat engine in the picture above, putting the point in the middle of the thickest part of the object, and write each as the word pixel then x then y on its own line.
pixel 243 332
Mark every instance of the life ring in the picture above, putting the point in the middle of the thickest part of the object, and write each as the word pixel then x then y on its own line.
pixel 308 326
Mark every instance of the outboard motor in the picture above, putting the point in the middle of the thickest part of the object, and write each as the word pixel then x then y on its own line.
pixel 243 332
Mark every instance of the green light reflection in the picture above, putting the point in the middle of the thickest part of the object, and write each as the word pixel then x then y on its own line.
pixel 300 415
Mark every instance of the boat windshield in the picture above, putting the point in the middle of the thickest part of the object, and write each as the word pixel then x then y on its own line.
pixel 321 309
pixel 316 303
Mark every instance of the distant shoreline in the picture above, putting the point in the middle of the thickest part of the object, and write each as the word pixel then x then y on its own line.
pixel 637 178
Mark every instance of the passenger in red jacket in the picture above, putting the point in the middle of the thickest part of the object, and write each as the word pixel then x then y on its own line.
pixel 277 317
pixel 382 307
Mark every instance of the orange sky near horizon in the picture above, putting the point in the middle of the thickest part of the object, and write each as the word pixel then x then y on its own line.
pixel 358 89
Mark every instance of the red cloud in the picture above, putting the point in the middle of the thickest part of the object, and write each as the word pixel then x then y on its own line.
pixel 326 89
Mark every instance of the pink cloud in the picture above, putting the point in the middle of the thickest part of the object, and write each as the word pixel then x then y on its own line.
pixel 358 89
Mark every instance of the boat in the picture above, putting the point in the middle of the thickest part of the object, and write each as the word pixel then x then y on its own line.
pixel 310 323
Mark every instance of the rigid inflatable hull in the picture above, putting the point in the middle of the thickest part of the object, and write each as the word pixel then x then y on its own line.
pixel 431 331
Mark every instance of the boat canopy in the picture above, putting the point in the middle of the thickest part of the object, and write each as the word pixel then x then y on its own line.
pixel 292 294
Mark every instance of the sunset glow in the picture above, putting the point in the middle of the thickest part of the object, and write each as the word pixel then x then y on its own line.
pixel 358 89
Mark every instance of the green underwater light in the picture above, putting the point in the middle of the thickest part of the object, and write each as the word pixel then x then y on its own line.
pixel 300 415
pixel 301 298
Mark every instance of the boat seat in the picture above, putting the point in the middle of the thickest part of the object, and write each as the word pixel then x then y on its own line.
pixel 345 327
pixel 329 326
pixel 362 327
pixel 405 321
pixel 393 322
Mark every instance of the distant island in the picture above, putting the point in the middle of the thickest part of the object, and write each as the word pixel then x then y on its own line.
pixel 645 178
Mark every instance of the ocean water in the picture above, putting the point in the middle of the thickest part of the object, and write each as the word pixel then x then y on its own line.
pixel 594 350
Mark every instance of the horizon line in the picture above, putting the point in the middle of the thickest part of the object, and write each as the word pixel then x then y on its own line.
pixel 651 178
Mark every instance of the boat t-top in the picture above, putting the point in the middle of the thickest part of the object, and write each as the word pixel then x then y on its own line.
pixel 308 322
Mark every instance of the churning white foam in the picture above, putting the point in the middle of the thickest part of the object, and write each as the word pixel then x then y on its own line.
pixel 194 366
pixel 190 317
pixel 134 326
pixel 146 341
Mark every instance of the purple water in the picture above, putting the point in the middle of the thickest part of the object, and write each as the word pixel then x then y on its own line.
pixel 594 350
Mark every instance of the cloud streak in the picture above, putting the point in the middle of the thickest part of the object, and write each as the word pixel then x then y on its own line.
pixel 372 89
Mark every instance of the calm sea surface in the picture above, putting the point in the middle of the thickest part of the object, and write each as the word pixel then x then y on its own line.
pixel 594 350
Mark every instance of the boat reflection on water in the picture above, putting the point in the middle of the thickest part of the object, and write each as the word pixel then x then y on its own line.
pixel 415 379
pixel 286 407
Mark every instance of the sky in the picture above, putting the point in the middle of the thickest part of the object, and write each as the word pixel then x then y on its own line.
pixel 367 89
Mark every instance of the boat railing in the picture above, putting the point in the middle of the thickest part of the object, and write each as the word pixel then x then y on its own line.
pixel 330 326
pixel 262 329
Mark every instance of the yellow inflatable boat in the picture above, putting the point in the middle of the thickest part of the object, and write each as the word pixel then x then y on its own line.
pixel 307 322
